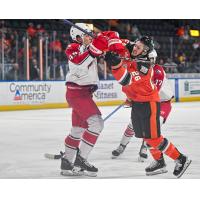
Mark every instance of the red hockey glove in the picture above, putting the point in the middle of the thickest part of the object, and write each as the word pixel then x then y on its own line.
pixel 114 42
pixel 98 45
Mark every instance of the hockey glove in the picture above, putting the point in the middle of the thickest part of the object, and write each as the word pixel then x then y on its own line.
pixel 112 59
pixel 98 45
pixel 114 42
pixel 128 103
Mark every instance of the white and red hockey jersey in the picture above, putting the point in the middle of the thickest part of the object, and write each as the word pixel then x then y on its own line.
pixel 162 84
pixel 82 66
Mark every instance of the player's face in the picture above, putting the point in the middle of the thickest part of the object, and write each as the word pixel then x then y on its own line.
pixel 138 48
pixel 87 39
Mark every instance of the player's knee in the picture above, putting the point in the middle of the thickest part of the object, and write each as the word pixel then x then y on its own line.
pixel 154 142
pixel 77 132
pixel 95 123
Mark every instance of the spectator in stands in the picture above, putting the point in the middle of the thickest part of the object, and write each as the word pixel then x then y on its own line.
pixel 183 32
pixel 14 73
pixel 34 70
pixel 170 66
pixel 40 30
pixel 56 71
pixel 161 62
pixel 31 30
pixel 64 43
pixel 1 78
pixel 101 68
pixel 182 58
pixel 135 33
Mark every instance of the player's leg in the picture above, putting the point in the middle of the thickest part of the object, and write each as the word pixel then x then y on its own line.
pixel 89 113
pixel 72 142
pixel 150 128
pixel 165 109
pixel 162 144
pixel 143 152
pixel 127 135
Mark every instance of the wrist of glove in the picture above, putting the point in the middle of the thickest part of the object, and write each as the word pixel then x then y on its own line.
pixel 115 44
pixel 112 59
pixel 98 45
pixel 143 66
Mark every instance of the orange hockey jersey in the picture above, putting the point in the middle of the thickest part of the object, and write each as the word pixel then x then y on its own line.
pixel 137 86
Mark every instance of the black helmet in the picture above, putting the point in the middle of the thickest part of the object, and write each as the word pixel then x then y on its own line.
pixel 148 44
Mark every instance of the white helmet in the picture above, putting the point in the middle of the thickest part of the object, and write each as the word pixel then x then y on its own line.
pixel 152 56
pixel 74 32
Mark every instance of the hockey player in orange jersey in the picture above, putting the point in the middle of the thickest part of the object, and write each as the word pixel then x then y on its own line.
pixel 166 94
pixel 137 84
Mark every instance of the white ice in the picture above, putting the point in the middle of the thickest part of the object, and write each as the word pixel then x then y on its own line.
pixel 26 135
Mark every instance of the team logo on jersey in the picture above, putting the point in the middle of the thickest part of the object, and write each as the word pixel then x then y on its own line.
pixel 144 69
pixel 158 71
pixel 17 96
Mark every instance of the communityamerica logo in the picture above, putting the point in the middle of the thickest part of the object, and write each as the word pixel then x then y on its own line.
pixel 29 92
pixel 17 96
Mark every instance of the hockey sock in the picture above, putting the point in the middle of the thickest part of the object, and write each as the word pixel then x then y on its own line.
pixel 156 154
pixel 89 138
pixel 128 134
pixel 72 142
pixel 88 141
pixel 165 146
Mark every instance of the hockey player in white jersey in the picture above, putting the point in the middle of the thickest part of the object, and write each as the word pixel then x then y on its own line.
pixel 81 82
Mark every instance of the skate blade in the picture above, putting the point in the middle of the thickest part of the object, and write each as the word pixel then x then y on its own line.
pixel 160 171
pixel 188 162
pixel 141 159
pixel 71 173
pixel 114 157
pixel 90 174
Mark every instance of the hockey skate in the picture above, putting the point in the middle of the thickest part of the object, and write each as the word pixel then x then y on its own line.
pixel 68 169
pixel 116 153
pixel 182 164
pixel 143 153
pixel 156 167
pixel 86 167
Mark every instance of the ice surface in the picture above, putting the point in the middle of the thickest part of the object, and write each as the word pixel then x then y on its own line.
pixel 26 135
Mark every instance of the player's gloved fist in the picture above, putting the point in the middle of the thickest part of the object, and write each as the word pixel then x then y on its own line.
pixel 114 42
pixel 143 66
pixel 112 59
pixel 98 45
pixel 128 103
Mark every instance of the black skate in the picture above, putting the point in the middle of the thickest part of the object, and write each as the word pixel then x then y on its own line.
pixel 182 164
pixel 86 167
pixel 156 167
pixel 142 153
pixel 68 169
pixel 116 153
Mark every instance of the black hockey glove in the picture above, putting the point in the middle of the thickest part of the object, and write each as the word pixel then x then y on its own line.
pixel 143 66
pixel 112 59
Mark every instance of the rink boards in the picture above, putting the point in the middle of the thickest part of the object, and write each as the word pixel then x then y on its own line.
pixel 25 95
